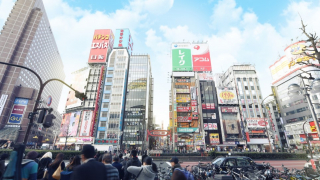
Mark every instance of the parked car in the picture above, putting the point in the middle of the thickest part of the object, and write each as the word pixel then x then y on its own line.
pixel 221 164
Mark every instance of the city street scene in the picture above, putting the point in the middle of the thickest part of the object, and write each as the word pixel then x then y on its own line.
pixel 159 90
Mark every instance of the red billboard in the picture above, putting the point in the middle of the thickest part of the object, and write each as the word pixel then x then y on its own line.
pixel 102 41
pixel 201 57
pixel 183 109
pixel 193 102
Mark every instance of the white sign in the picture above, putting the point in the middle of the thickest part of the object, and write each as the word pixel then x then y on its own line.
pixel 214 126
pixel 213 116
pixel 85 123
pixel 256 123
pixel 3 100
pixel 205 126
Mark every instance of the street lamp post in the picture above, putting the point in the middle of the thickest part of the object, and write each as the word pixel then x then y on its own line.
pixel 304 131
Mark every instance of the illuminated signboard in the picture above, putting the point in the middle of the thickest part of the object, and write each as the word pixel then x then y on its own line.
pixel 102 42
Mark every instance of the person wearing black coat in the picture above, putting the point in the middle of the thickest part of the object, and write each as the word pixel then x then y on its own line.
pixel 55 164
pixel 132 162
pixel 90 168
pixel 118 165
pixel 44 164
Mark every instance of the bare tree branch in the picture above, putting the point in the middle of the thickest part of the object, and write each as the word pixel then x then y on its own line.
pixel 311 38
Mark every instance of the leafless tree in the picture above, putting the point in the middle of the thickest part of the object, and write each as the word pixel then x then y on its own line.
pixel 68 132
pixel 312 49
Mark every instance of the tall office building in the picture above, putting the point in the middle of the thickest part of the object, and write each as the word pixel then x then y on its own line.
pixel 139 102
pixel 244 78
pixel 190 97
pixel 110 122
pixel 295 110
pixel 80 120
pixel 27 39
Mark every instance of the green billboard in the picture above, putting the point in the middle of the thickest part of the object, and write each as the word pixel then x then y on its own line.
pixel 181 60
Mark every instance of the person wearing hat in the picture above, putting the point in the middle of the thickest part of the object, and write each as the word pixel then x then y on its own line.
pixel 90 168
pixel 143 172
pixel 29 167
pixel 174 161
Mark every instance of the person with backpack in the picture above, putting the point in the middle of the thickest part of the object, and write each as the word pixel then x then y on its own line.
pixel 66 174
pixel 178 175
pixel 132 162
pixel 58 162
pixel 43 164
pixel 145 172
pixel 29 167
pixel 174 161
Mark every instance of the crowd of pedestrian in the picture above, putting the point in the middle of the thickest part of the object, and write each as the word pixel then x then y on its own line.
pixel 89 165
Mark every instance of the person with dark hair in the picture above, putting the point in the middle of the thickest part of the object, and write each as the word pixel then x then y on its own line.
pixel 58 161
pixel 29 167
pixel 90 168
pixel 143 172
pixel 3 158
pixel 118 165
pixel 178 175
pixel 143 156
pixel 112 172
pixel 120 157
pixel 174 161
pixel 76 161
pixel 132 162
pixel 43 164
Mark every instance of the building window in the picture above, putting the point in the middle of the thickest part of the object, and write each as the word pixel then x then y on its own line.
pixel 254 97
pixel 250 79
pixel 252 87
pixel 244 79
pixel 238 79
pixel 248 96
pixel 104 114
pixel 260 97
pixel 103 124
pixel 105 105
pixel 256 106
pixel 243 106
pixel 314 97
pixel 107 88
pixel 101 135
pixel 109 79
pixel 110 72
pixel 246 87
pixel 106 96
pixel 250 105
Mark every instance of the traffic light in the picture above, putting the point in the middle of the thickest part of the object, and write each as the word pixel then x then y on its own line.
pixel 41 116
pixel 48 121
pixel 81 96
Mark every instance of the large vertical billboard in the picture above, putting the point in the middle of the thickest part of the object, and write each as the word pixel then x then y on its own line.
pixel 78 82
pixel 181 57
pixel 85 127
pixel 201 57
pixel 73 123
pixel 65 124
pixel 19 107
pixel 102 41
pixel 123 38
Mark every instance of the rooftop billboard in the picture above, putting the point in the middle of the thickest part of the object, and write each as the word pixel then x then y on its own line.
pixel 201 57
pixel 123 38
pixel 181 57
pixel 102 41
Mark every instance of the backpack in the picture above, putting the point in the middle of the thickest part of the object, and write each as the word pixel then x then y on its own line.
pixel 187 174
pixel 66 175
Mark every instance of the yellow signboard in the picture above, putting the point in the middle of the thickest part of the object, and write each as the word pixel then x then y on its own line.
pixel 305 58
pixel 297 49
pixel 226 95
pixel 183 99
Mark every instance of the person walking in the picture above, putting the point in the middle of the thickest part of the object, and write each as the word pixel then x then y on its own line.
pixel 2 163
pixel 43 164
pixel 145 172
pixel 29 167
pixel 118 165
pixel 90 168
pixel 132 162
pixel 174 161
pixel 112 172
pixel 58 161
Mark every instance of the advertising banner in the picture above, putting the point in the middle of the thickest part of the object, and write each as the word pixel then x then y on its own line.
pixel 257 131
pixel 102 41
pixel 193 103
pixel 123 38
pixel 201 57
pixel 205 76
pixel 193 92
pixel 205 126
pixel 183 99
pixel 3 101
pixel 79 82
pixel 213 116
pixel 183 109
pixel 64 128
pixel 182 90
pixel 74 122
pixel 187 130
pixel 184 119
pixel 195 116
pixel 181 57
pixel 214 138
pixel 208 106
pixel 212 126
pixel 229 109
pixel 231 126
pixel 313 126
pixel 85 124
pixel 256 123
pixel 18 109
pixel 227 96
pixel 183 80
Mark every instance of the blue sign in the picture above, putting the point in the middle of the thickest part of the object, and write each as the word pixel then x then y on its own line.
pixel 237 142
pixel 21 101
pixel 15 119
pixel 123 39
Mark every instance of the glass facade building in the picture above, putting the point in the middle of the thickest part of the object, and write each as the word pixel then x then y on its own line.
pixel 138 109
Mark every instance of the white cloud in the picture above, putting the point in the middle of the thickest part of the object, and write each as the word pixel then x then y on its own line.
pixel 155 7
pixel 5 8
